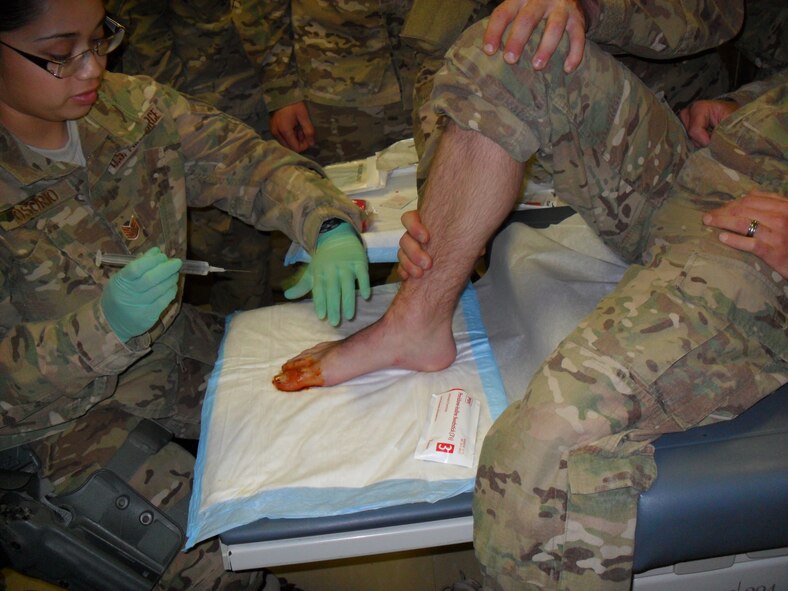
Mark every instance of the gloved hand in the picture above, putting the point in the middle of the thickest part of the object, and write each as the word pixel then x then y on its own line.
pixel 340 260
pixel 137 294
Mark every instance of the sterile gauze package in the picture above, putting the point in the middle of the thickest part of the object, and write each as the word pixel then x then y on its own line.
pixel 449 435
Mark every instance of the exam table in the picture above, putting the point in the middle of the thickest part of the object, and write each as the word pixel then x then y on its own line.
pixel 717 514
pixel 716 517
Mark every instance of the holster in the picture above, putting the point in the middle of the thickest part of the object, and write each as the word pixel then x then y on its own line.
pixel 103 535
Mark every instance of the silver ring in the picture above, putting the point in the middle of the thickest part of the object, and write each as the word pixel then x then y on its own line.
pixel 752 228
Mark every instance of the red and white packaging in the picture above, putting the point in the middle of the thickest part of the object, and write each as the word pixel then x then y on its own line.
pixel 366 222
pixel 449 436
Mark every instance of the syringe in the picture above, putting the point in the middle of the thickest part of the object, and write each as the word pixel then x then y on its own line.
pixel 189 267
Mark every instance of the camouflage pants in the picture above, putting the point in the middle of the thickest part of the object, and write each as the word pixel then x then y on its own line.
pixel 69 457
pixel 352 133
pixel 694 333
pixel 682 81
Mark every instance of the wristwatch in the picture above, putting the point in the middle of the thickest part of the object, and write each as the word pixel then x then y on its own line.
pixel 330 224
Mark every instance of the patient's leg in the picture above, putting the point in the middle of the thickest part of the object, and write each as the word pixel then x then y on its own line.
pixel 471 188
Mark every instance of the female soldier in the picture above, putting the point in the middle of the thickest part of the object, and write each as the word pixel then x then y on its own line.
pixel 90 357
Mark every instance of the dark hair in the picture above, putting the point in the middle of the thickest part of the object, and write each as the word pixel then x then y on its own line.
pixel 17 13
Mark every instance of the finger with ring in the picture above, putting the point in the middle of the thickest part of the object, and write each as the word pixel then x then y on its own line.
pixel 752 228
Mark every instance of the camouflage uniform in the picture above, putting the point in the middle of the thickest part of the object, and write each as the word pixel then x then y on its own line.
pixel 210 50
pixel 762 40
pixel 693 330
pixel 682 81
pixel 432 26
pixel 68 384
pixel 348 62
pixel 757 28
pixel 680 62
pixel 674 31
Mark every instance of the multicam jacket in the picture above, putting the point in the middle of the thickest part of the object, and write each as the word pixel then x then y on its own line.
pixel 210 49
pixel 332 52
pixel 150 153
pixel 354 53
pixel 342 52
pixel 665 29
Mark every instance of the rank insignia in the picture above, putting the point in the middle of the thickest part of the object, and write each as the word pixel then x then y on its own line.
pixel 131 229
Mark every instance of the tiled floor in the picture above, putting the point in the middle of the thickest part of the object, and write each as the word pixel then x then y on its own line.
pixel 427 570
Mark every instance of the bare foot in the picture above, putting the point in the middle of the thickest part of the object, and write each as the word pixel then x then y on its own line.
pixel 397 340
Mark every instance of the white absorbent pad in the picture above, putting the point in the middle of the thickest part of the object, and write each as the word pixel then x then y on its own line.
pixel 540 284
pixel 326 451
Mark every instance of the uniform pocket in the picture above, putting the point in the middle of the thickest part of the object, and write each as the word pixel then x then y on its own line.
pixel 52 272
pixel 611 463
pixel 714 330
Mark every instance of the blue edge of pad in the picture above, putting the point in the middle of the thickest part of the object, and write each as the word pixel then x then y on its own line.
pixel 237 512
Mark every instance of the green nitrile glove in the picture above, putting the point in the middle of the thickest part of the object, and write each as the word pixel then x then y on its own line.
pixel 339 261
pixel 136 295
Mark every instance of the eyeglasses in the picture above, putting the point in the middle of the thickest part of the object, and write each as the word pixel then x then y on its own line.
pixel 72 65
